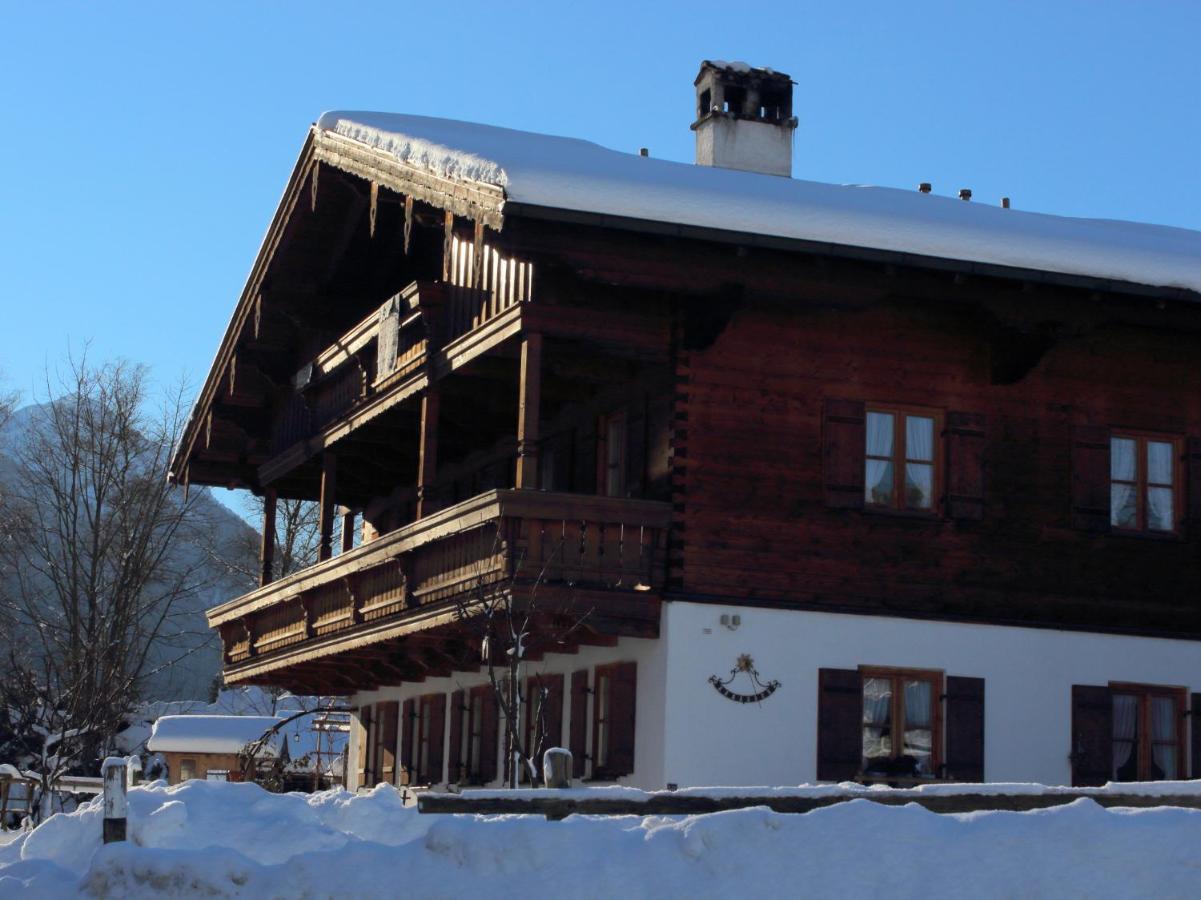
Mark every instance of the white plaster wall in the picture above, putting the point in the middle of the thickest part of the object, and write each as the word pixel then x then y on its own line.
pixel 746 145
pixel 1028 674
pixel 648 724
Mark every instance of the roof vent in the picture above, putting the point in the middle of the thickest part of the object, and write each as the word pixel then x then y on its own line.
pixel 925 187
pixel 744 118
pixel 965 193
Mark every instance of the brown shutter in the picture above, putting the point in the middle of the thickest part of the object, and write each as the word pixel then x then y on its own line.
pixel 388 714
pixel 454 753
pixel 1192 471
pixel 584 476
pixel 844 437
pixel 1092 735
pixel 408 726
pixel 1195 718
pixel 839 724
pixel 579 722
pixel 965 465
pixel 965 729
pixel 554 711
pixel 623 686
pixel 436 738
pixel 489 733
pixel 636 448
pixel 365 738
pixel 1090 478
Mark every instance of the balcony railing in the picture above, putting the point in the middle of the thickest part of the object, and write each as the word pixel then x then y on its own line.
pixel 499 538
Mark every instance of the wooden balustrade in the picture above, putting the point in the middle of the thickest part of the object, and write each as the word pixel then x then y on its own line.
pixel 499 539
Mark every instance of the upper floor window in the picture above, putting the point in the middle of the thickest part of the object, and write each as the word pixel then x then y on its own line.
pixel 612 455
pixel 1143 495
pixel 901 459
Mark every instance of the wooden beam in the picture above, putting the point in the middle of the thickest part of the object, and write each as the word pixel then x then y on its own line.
pixel 529 401
pixel 347 529
pixel 329 480
pixel 267 548
pixel 427 461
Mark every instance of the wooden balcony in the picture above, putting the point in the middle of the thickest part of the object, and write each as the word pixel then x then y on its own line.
pixel 610 552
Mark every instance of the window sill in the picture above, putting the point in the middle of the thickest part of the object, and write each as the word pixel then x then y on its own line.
pixel 920 515
pixel 1170 537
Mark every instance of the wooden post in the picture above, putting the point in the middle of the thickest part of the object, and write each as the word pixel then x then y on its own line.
pixel 347 529
pixel 329 486
pixel 267 548
pixel 115 804
pixel 529 400
pixel 427 461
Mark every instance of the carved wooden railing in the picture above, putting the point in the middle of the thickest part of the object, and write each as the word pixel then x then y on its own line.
pixel 499 537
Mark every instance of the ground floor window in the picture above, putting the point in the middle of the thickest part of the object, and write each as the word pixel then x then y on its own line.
pixel 1147 736
pixel 187 769
pixel 901 734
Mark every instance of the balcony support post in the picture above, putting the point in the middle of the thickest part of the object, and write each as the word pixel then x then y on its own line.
pixel 427 460
pixel 529 400
pixel 347 529
pixel 267 548
pixel 329 482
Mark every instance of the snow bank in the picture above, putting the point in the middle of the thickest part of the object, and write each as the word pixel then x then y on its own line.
pixel 209 734
pixel 571 174
pixel 235 840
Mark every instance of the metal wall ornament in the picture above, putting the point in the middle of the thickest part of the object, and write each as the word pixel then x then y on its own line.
pixel 745 666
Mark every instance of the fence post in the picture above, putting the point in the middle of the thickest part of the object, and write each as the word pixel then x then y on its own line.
pixel 135 772
pixel 115 805
pixel 556 767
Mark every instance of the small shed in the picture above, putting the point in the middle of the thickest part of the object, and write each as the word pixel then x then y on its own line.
pixel 208 746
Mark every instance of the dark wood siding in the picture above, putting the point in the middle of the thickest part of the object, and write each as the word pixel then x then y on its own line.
pixel 839 724
pixel 965 728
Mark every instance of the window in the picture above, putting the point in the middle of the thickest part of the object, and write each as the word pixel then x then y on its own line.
pixel 217 775
pixel 1142 483
pixel 612 455
pixel 187 769
pixel 1147 737
pixel 901 459
pixel 901 727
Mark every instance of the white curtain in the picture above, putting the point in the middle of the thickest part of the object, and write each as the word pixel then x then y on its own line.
pixel 919 438
pixel 877 711
pixel 878 476
pixel 1160 515
pixel 1121 496
pixel 1163 737
pixel 1125 736
pixel 919 701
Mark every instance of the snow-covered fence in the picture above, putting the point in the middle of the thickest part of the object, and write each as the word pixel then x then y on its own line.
pixel 943 798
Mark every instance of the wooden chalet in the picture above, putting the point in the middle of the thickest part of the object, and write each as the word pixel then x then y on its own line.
pixel 810 481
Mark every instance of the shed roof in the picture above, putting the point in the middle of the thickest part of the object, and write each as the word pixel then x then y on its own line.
pixel 208 734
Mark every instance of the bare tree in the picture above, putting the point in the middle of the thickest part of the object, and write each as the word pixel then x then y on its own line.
pixel 91 587
pixel 512 623
pixel 297 535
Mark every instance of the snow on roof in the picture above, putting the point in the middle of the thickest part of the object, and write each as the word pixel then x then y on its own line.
pixel 570 174
pixel 208 734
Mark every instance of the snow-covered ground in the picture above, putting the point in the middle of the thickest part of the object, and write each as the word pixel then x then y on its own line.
pixel 235 840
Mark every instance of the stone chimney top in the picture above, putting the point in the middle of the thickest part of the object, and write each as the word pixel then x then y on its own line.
pixel 744 118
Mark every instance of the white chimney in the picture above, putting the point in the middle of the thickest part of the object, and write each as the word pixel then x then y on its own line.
pixel 744 118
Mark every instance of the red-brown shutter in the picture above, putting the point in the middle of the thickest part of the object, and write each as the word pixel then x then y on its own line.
pixel 965 728
pixel 489 734
pixel 436 738
pixel 839 724
pixel 1195 719
pixel 578 739
pixel 844 438
pixel 454 773
pixel 965 465
pixel 553 715
pixel 1192 471
pixel 365 738
pixel 623 687
pixel 387 728
pixel 1090 478
pixel 636 447
pixel 408 728
pixel 1092 735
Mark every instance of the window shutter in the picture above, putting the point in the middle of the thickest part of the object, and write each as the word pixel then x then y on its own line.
pixel 1192 471
pixel 839 724
pixel 584 476
pixel 388 713
pixel 407 727
pixel 365 738
pixel 578 740
pixel 437 739
pixel 489 735
pixel 1090 478
pixel 1195 719
pixel 624 691
pixel 844 437
pixel 1092 735
pixel 554 712
pixel 636 448
pixel 454 774
pixel 965 728
pixel 965 465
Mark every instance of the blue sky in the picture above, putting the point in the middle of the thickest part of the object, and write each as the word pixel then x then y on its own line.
pixel 147 144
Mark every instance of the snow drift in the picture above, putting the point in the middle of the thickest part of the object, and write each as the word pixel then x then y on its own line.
pixel 235 840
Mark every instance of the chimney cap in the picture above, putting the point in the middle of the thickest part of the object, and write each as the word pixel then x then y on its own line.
pixel 965 193
pixel 925 187
pixel 741 70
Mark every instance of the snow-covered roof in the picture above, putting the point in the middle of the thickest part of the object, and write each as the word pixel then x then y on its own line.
pixel 208 734
pixel 568 174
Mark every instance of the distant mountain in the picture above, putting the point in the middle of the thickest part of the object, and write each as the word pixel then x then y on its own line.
pixel 219 544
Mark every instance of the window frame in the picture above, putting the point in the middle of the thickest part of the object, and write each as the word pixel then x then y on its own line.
pixel 937 681
pixel 1144 692
pixel 1141 484
pixel 900 456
